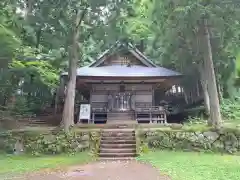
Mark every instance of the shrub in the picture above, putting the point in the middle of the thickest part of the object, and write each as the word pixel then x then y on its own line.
pixel 230 109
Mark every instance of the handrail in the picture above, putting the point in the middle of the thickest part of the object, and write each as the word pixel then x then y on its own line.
pixel 151 109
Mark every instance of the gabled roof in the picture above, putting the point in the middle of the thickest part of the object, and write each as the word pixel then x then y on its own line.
pixel 128 46
pixel 124 71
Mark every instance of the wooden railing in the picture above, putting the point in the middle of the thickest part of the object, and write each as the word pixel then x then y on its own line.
pixel 154 114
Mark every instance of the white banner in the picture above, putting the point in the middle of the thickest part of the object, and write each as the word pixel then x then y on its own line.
pixel 85 111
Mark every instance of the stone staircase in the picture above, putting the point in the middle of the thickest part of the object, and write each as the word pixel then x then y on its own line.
pixel 117 144
pixel 118 116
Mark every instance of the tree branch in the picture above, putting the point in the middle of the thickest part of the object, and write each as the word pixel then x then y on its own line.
pixel 80 16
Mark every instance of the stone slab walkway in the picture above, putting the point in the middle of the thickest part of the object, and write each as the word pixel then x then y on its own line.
pixel 112 170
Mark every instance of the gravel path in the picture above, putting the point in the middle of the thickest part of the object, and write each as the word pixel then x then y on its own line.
pixel 115 170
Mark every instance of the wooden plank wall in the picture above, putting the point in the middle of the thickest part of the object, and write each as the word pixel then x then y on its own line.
pixel 143 94
pixel 122 60
pixel 99 94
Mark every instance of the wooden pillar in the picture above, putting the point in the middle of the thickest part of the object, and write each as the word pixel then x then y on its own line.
pixel 153 96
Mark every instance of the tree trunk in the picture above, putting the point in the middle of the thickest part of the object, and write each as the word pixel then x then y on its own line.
pixel 28 9
pixel 56 101
pixel 38 37
pixel 204 83
pixel 206 99
pixel 215 115
pixel 68 111
pixel 205 92
pixel 185 96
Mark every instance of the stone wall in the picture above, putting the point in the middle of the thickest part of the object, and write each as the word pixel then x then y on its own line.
pixel 49 142
pixel 223 140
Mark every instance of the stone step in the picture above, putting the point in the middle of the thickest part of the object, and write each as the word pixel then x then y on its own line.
pixel 119 130
pixel 116 159
pixel 118 141
pixel 120 150
pixel 116 155
pixel 118 138
pixel 118 134
pixel 118 146
pixel 38 122
pixel 123 116
pixel 120 126
pixel 120 114
pixel 115 120
pixel 127 131
pixel 119 117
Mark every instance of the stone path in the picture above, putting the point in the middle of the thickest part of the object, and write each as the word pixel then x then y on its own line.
pixel 115 170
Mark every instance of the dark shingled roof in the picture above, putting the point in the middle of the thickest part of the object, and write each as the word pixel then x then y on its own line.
pixel 124 71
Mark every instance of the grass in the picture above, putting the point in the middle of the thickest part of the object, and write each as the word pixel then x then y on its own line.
pixel 19 164
pixel 195 166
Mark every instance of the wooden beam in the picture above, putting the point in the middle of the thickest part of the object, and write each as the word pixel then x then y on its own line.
pixel 125 78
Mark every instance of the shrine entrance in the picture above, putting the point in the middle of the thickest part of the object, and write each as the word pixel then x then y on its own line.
pixel 122 101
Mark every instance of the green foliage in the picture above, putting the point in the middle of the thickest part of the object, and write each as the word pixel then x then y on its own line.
pixel 230 109
pixel 7 142
pixel 9 44
pixel 20 107
pixel 141 145
pixel 95 138
pixel 30 83
pixel 143 148
pixel 42 71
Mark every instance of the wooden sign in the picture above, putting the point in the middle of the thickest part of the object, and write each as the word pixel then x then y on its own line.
pixel 85 112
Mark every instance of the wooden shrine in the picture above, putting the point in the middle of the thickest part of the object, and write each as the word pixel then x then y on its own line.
pixel 121 85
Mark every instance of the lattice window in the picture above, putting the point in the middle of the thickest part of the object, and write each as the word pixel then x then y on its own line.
pixel 124 60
